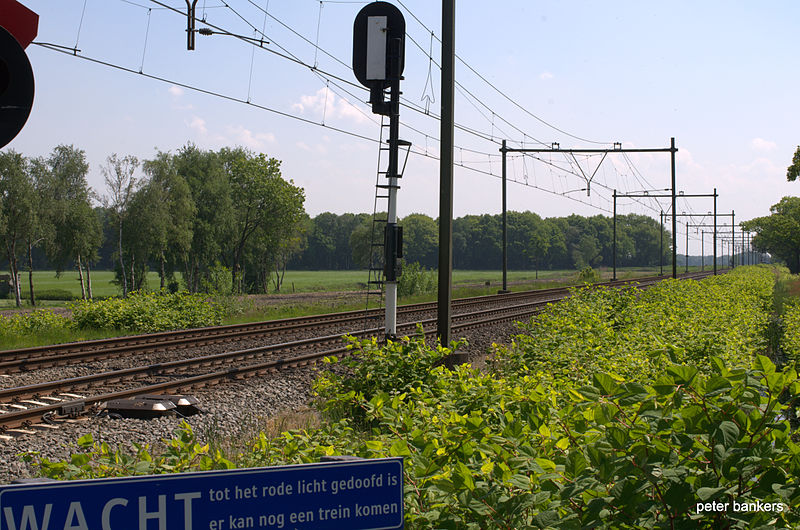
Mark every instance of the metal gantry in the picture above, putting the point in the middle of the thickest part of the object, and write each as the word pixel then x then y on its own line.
pixel 673 196
pixel 556 148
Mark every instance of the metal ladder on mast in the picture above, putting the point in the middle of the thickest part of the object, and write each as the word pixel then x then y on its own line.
pixel 377 246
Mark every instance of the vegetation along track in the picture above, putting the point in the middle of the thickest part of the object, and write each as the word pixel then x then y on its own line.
pixel 28 404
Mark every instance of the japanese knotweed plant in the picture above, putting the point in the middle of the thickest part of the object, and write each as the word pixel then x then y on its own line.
pixel 790 338
pixel 483 451
pixel 32 323
pixel 147 312
pixel 373 368
pixel 649 456
pixel 98 459
pixel 636 334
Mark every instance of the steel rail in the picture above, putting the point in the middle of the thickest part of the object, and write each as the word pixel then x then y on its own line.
pixel 22 418
pixel 26 359
pixel 26 417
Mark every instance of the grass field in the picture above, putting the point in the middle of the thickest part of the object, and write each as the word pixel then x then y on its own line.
pixel 101 282
pixel 320 281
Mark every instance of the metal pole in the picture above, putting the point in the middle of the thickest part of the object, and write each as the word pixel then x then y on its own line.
pixel 443 320
pixel 391 218
pixel 661 246
pixel 505 224
pixel 687 247
pixel 745 257
pixel 715 231
pixel 702 251
pixel 190 24
pixel 733 240
pixel 614 246
pixel 674 211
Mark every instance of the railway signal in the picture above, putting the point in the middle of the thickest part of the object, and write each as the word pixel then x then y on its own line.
pixel 18 27
pixel 379 33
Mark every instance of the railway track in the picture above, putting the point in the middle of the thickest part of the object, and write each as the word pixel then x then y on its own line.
pixel 27 359
pixel 23 406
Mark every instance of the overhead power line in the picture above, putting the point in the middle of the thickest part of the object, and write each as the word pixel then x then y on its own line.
pixel 496 89
pixel 341 83
pixel 71 52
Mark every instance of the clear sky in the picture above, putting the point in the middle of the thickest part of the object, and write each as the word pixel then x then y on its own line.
pixel 719 76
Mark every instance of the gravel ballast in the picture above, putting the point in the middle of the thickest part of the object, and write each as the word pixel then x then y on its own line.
pixel 233 410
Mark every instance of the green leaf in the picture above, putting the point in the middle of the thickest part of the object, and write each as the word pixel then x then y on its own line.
pixel 547 519
pixel 80 459
pixel 633 393
pixel 576 463
pixel 617 436
pixel 399 448
pixel 716 385
pixel 719 366
pixel 605 383
pixel 683 374
pixel 545 464
pixel 374 445
pixel 589 393
pixel 763 364
pixel 705 494
pixel 464 475
pixel 726 433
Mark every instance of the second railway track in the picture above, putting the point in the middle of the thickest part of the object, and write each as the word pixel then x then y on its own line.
pixel 26 359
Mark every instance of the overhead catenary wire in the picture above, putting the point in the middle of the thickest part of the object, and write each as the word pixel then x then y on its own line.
pixel 503 94
pixel 331 80
pixel 80 24
pixel 146 33
pixel 69 51
pixel 290 56
pixel 405 101
pixel 293 58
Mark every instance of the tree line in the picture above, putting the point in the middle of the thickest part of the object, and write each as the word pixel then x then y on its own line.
pixel 343 241
pixel 222 219
pixel 227 220
pixel 779 232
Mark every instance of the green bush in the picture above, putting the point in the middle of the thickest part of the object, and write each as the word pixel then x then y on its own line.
pixel 99 460
pixel 583 447
pixel 486 452
pixel 31 323
pixel 147 312
pixel 416 280
pixel 218 281
pixel 374 369
pixel 790 338
pixel 588 275
pixel 636 334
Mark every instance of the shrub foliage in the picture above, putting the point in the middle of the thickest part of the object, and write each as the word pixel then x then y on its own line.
pixel 31 323
pixel 148 312
pixel 585 422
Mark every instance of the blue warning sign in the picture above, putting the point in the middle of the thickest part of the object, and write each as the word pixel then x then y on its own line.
pixel 354 494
